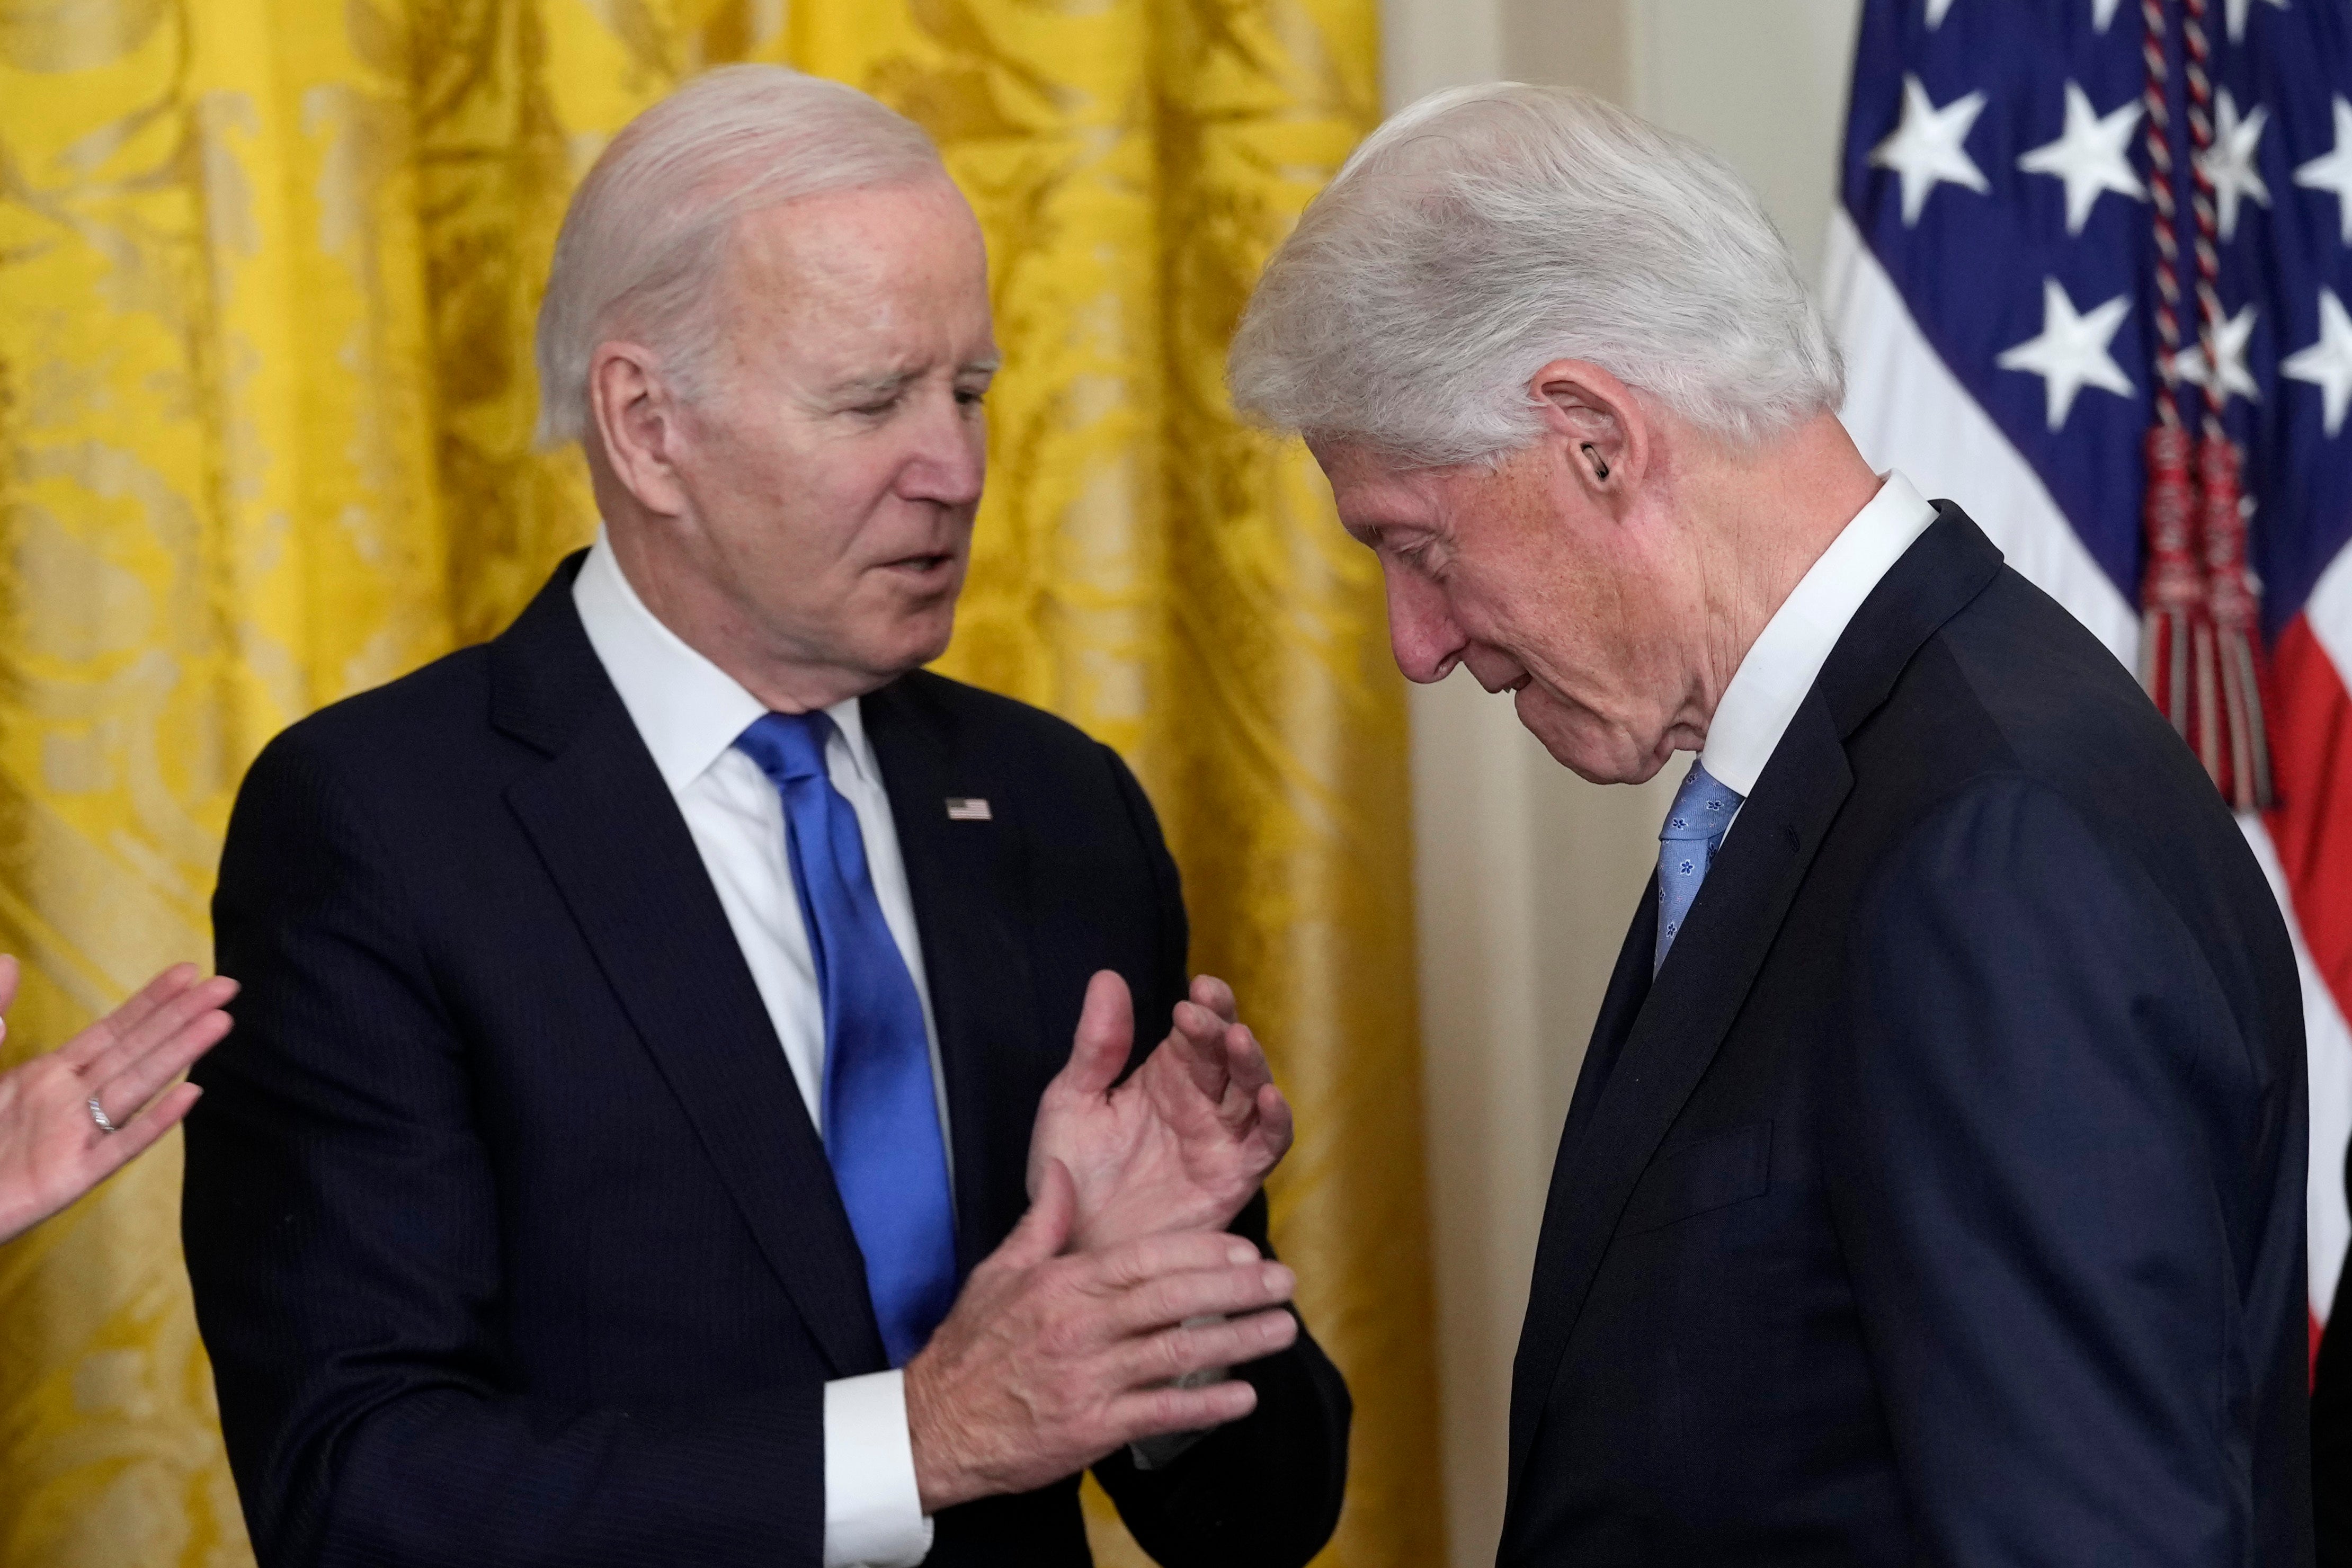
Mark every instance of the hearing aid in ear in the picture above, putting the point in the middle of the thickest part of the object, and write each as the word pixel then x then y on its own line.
pixel 1599 469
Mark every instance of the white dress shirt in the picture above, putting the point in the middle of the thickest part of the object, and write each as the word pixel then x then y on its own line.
pixel 1786 658
pixel 690 713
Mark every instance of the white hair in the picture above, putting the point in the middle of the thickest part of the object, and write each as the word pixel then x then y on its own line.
pixel 642 245
pixel 1486 231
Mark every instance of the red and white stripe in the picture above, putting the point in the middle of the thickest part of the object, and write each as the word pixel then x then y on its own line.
pixel 1906 410
pixel 2306 847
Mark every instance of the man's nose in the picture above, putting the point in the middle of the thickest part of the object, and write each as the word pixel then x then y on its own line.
pixel 1421 629
pixel 951 457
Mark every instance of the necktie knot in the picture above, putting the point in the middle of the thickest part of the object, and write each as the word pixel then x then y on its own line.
pixel 1702 807
pixel 789 747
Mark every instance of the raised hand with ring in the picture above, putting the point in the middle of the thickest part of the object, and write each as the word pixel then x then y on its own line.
pixel 58 1138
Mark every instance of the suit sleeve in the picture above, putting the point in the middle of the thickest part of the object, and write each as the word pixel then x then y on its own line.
pixel 1265 1492
pixel 340 1220
pixel 2050 1159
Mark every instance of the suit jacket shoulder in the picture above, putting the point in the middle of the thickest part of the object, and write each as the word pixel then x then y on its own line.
pixel 2013 688
pixel 396 732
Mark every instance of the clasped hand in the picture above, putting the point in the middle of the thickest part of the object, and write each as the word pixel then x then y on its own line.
pixel 1181 1145
pixel 1067 1342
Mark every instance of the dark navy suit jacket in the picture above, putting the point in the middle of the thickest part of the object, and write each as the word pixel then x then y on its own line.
pixel 512 1240
pixel 1942 1200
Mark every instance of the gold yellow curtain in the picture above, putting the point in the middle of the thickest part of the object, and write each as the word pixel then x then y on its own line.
pixel 267 269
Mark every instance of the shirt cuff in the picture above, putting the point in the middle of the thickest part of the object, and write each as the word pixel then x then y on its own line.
pixel 873 1514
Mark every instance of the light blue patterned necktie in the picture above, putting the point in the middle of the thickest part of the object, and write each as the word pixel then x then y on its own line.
pixel 1694 828
pixel 881 1118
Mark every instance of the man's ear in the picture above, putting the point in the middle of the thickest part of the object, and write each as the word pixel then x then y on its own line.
pixel 1600 426
pixel 636 412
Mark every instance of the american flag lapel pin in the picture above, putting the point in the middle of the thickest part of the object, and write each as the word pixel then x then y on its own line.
pixel 968 808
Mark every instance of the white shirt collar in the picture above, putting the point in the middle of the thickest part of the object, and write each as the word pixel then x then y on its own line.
pixel 1786 658
pixel 689 710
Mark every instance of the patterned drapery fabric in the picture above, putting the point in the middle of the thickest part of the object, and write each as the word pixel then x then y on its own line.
pixel 268 271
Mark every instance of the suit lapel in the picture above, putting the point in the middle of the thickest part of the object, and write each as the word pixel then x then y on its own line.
pixel 1621 1004
pixel 1639 1088
pixel 967 883
pixel 619 852
pixel 1673 1040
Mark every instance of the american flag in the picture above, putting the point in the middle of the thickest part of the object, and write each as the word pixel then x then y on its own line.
pixel 2014 174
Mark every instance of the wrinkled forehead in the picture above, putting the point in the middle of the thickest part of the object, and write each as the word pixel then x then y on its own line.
pixel 1375 491
pixel 908 242
pixel 880 285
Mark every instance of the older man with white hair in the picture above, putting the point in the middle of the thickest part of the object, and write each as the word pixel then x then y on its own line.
pixel 653 1134
pixel 1932 1189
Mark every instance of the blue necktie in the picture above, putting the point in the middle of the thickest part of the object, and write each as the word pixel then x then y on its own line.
pixel 1686 845
pixel 881 1120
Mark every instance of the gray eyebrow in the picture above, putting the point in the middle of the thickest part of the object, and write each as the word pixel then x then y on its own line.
pixel 873 386
pixel 889 382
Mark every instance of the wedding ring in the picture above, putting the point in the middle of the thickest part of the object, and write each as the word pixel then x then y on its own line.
pixel 98 1114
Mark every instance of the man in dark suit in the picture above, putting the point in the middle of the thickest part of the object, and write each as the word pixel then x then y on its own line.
pixel 1932 1190
pixel 648 1137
